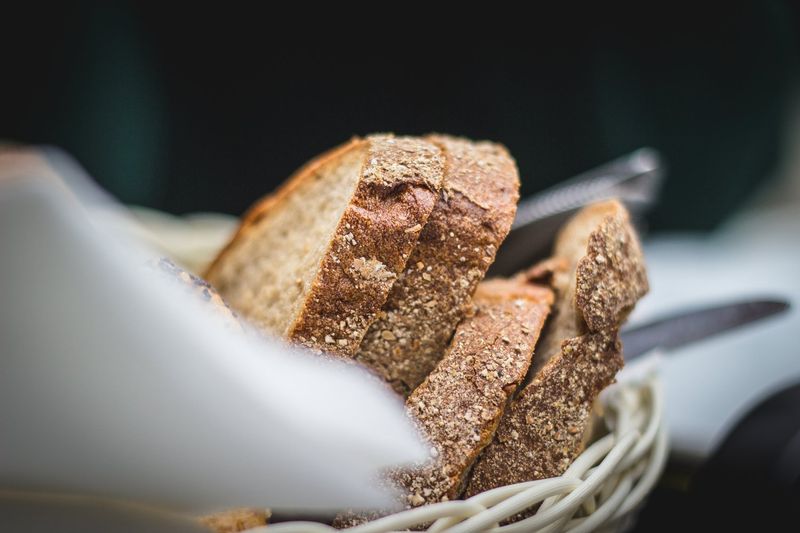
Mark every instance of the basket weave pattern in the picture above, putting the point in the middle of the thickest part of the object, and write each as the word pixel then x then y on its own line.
pixel 601 489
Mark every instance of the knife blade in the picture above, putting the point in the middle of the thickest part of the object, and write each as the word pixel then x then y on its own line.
pixel 634 179
pixel 684 328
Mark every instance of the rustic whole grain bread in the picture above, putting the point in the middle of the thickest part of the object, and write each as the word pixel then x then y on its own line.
pixel 543 429
pixel 458 406
pixel 592 293
pixel 314 262
pixel 472 216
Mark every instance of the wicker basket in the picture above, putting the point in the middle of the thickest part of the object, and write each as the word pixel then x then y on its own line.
pixel 601 490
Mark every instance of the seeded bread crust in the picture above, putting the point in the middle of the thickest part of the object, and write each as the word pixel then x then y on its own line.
pixel 542 431
pixel 458 406
pixel 375 236
pixel 472 216
pixel 591 293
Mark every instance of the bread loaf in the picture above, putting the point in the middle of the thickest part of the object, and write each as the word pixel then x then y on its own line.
pixel 472 216
pixel 542 430
pixel 373 252
pixel 313 263
pixel 459 405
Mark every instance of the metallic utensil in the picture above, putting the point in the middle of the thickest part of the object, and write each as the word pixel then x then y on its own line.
pixel 683 328
pixel 634 179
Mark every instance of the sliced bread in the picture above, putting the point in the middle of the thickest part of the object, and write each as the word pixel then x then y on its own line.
pixel 543 429
pixel 472 216
pixel 458 406
pixel 313 263
pixel 597 271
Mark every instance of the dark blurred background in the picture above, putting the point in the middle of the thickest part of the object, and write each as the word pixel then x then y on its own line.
pixel 188 108
pixel 194 109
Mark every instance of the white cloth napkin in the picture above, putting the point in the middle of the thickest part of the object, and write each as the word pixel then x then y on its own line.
pixel 710 385
pixel 116 382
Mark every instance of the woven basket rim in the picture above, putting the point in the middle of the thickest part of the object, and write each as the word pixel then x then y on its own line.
pixel 603 487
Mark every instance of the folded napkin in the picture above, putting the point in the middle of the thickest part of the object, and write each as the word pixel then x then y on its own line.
pixel 116 382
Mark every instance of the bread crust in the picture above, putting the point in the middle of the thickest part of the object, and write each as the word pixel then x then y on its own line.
pixel 376 234
pixel 611 277
pixel 458 406
pixel 263 206
pixel 598 277
pixel 543 429
pixel 471 218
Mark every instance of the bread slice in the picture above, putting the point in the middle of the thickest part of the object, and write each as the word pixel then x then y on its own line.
pixel 472 216
pixel 597 271
pixel 314 262
pixel 542 430
pixel 458 406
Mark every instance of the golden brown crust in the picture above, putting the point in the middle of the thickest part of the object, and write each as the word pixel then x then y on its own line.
pixel 608 287
pixel 611 276
pixel 235 520
pixel 390 206
pixel 263 206
pixel 543 430
pixel 458 406
pixel 472 216
pixel 371 244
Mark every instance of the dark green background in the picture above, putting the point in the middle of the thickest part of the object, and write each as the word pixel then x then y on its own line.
pixel 188 109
